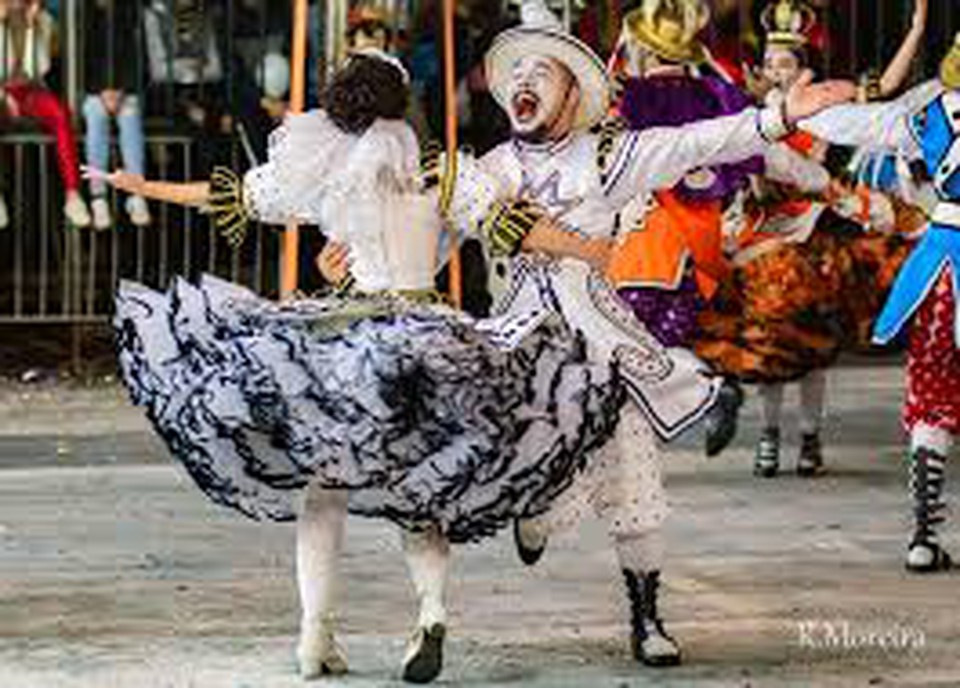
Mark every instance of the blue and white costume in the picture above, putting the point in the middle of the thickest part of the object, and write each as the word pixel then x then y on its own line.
pixel 923 124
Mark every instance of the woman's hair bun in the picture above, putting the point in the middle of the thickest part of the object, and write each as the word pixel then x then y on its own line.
pixel 365 89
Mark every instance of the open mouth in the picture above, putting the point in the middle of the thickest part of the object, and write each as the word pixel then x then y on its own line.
pixel 525 106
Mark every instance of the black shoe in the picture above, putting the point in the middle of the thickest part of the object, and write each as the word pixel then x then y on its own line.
pixel 528 555
pixel 424 660
pixel 810 461
pixel 766 461
pixel 723 418
pixel 651 644
pixel 927 557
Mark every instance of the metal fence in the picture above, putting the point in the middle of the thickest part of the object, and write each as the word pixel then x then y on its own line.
pixel 53 273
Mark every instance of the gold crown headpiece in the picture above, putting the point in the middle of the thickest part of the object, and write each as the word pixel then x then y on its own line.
pixel 950 66
pixel 788 22
pixel 669 28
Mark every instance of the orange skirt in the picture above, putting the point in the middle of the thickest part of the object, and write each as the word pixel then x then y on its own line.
pixel 796 308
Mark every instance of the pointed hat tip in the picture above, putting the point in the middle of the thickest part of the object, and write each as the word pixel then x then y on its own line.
pixel 536 14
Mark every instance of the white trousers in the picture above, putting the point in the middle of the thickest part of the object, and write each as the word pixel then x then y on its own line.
pixel 622 484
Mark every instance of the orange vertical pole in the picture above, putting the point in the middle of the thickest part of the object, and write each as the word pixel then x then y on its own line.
pixel 450 97
pixel 289 255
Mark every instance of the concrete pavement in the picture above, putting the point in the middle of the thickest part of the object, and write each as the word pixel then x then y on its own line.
pixel 115 571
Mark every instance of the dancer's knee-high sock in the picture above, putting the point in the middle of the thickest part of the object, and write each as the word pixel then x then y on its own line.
pixel 813 392
pixel 772 395
pixel 933 438
pixel 428 560
pixel 319 541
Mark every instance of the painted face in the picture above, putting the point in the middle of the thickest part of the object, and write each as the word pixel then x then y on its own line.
pixel 781 67
pixel 542 98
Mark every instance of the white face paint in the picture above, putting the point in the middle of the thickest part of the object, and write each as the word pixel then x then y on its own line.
pixel 781 67
pixel 539 98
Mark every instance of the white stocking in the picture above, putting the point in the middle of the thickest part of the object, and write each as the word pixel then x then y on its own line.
pixel 813 392
pixel 772 395
pixel 933 438
pixel 319 541
pixel 428 560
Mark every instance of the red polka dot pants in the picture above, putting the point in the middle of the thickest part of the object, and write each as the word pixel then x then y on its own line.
pixel 933 363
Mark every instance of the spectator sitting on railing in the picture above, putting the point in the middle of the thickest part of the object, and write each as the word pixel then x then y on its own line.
pixel 112 79
pixel 26 45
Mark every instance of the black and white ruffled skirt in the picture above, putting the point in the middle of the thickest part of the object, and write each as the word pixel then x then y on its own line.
pixel 410 407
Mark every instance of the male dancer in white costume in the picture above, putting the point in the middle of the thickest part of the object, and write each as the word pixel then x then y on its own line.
pixel 550 202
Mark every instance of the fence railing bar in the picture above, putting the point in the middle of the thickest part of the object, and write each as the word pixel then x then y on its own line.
pixel 94 240
pixel 18 240
pixel 45 222
pixel 187 213
pixel 164 226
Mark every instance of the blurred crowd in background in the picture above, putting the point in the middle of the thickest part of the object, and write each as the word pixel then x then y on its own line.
pixel 218 70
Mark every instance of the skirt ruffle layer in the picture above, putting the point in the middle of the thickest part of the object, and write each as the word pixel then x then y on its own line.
pixel 408 407
pixel 795 309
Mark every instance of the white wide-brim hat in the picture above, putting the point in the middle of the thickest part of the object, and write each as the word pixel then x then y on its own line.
pixel 548 41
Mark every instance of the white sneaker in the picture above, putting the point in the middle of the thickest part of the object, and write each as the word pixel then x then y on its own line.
pixel 4 215
pixel 76 210
pixel 138 210
pixel 101 213
pixel 318 653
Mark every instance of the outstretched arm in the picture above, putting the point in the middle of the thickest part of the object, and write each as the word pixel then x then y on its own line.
pixel 659 158
pixel 877 125
pixel 224 197
pixel 899 68
pixel 194 194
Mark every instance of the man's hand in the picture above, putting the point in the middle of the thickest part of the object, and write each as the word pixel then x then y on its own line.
pixel 806 98
pixel 549 238
pixel 128 182
pixel 757 84
pixel 333 262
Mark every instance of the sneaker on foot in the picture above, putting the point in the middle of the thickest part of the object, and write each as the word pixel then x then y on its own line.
pixel 531 542
pixel 810 461
pixel 424 658
pixel 100 208
pixel 766 462
pixel 721 422
pixel 75 210
pixel 138 211
pixel 318 653
pixel 927 557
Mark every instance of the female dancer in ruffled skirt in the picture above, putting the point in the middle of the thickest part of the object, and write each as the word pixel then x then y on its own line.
pixel 379 399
